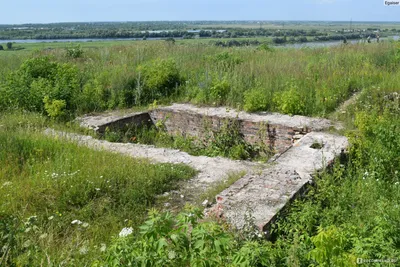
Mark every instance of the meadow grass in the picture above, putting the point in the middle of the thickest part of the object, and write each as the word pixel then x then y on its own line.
pixel 294 81
pixel 351 212
pixel 61 202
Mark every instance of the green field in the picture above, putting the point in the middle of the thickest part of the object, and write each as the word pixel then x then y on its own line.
pixel 351 212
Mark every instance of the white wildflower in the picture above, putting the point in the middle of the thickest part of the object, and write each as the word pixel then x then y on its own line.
pixel 126 231
pixel 103 247
pixel 50 218
pixel 78 222
pixel 83 250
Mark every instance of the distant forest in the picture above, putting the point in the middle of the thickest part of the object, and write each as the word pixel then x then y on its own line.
pixel 281 32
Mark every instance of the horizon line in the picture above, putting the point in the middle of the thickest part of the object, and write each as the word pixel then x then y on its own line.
pixel 249 20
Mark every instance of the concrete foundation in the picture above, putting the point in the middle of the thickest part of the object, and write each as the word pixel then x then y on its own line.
pixel 302 144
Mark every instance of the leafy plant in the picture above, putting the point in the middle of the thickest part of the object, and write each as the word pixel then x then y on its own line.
pixel 256 100
pixel 38 78
pixel 291 101
pixel 74 51
pixel 219 90
pixel 159 79
pixel 184 240
pixel 54 108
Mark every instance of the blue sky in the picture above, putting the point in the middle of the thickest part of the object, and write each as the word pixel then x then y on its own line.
pixel 43 11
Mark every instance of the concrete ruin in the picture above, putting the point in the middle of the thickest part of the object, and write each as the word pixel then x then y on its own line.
pixel 303 146
pixel 277 131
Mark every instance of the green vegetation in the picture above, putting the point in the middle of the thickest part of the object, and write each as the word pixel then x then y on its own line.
pixel 226 142
pixel 351 212
pixel 63 203
pixel 199 29
pixel 60 209
pixel 302 81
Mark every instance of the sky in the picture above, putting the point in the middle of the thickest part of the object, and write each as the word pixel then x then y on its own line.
pixel 46 11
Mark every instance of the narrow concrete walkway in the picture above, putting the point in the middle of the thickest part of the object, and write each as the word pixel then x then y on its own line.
pixel 211 170
pixel 267 193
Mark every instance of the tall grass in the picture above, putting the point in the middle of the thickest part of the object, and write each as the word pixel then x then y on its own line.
pixel 61 203
pixel 322 77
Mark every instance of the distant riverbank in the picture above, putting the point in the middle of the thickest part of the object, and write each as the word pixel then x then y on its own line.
pixel 287 45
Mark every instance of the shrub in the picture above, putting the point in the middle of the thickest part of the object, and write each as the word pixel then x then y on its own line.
pixel 54 108
pixel 256 100
pixel 225 60
pixel 219 90
pixel 184 240
pixel 291 101
pixel 265 47
pixel 74 51
pixel 38 78
pixel 159 78
pixel 329 248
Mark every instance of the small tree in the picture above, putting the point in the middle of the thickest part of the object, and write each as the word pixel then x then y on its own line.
pixel 9 45
pixel 1 47
pixel 170 40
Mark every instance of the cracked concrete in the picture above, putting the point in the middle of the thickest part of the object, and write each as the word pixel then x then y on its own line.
pixel 267 193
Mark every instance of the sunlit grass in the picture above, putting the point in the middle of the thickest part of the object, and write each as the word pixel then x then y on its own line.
pixel 55 183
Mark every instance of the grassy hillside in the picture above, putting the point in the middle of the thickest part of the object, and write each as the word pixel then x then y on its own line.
pixel 351 212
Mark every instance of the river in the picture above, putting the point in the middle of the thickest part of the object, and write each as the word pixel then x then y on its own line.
pixel 291 45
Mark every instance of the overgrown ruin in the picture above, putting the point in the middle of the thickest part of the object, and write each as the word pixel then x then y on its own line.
pixel 303 146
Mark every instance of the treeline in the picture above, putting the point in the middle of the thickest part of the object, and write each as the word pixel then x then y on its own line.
pixel 110 30
pixel 335 37
pixel 30 34
pixel 233 43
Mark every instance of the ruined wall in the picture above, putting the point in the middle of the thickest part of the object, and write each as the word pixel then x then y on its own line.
pixel 138 119
pixel 277 137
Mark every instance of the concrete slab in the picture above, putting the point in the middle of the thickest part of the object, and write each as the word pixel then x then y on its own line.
pixel 100 122
pixel 267 194
pixel 316 124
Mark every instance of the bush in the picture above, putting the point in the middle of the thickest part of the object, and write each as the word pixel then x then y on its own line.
pixel 184 240
pixel 38 78
pixel 291 101
pixel 54 108
pixel 225 60
pixel 219 90
pixel 256 100
pixel 74 51
pixel 265 47
pixel 158 79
